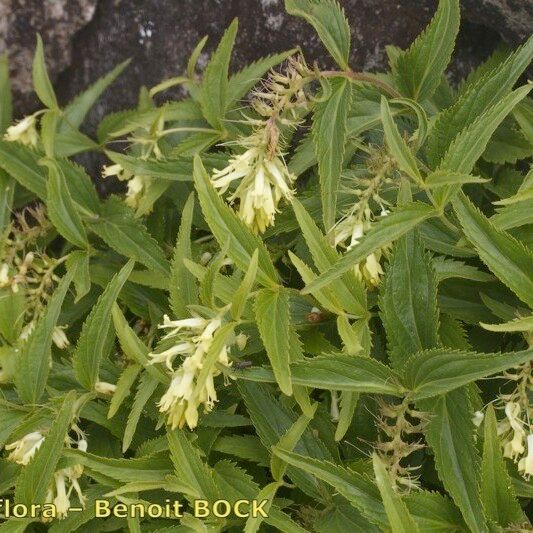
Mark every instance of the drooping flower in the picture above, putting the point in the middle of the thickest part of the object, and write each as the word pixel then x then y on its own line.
pixel 525 465
pixel 193 339
pixel 24 449
pixel 264 180
pixel 59 338
pixel 24 131
pixel 103 387
pixel 137 185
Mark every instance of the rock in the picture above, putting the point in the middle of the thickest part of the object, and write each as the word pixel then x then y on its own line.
pixel 160 34
pixel 56 20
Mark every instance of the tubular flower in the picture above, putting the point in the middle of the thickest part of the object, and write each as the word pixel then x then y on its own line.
pixel 525 465
pixel 59 338
pixel 23 131
pixel 264 181
pixel 137 185
pixel 23 450
pixel 193 339
pixel 353 228
pixel 103 387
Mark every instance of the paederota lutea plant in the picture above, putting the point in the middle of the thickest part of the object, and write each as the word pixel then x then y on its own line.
pixel 315 292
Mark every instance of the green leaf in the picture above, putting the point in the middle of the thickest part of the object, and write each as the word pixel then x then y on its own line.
pixel 505 256
pixel 241 82
pixel 497 492
pixel 418 70
pixel 124 384
pixel 356 488
pixel 480 96
pixel 118 227
pixel 400 519
pixel 288 441
pixel 177 169
pixel 347 373
pixel 348 291
pixel 182 286
pixel 224 224
pixel 329 134
pixel 450 434
pixel 78 261
pixel 134 349
pixel 6 109
pixel 41 81
pixel 61 209
pixel 382 233
pixel 408 301
pixel 94 336
pixel 36 477
pixel 146 388
pixel 189 467
pixel 440 178
pixel 253 523
pixel 214 90
pixel 238 302
pixel 272 317
pixel 524 324
pixel 75 111
pixel 49 121
pixel 433 512
pixel 470 143
pixel 328 20
pixel 397 144
pixel 33 362
pixel 441 370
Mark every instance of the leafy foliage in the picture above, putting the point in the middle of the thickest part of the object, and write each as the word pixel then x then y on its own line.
pixel 308 295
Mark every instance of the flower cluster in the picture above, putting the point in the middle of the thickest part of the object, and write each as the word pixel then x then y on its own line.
pixel 192 339
pixel 24 131
pixel 515 429
pixel 137 185
pixel 348 231
pixel 263 176
pixel 397 423
pixel 65 480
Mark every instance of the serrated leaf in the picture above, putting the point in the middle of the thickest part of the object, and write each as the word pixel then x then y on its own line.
pixel 147 386
pixel 497 492
pixel 348 290
pixel 418 70
pixel 400 520
pixel 439 178
pixel 441 370
pixel 329 135
pixel 450 434
pixel 118 227
pixel 75 111
pixel 397 144
pixel 524 324
pixel 356 488
pixel 408 301
pixel 78 261
pixel 94 336
pixel 124 384
pixel 41 81
pixel 223 223
pixel 189 467
pixel 382 233
pixel 328 20
pixel 214 90
pixel 253 523
pixel 182 287
pixel 505 256
pixel 242 81
pixel 33 362
pixel 241 295
pixel 7 195
pixel 272 317
pixel 480 96
pixel 288 441
pixel 433 512
pixel 61 208
pixel 35 478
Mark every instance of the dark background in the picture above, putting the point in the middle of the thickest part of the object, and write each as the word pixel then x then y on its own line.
pixel 86 38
